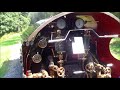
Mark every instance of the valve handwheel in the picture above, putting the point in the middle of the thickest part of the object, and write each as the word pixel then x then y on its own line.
pixel 61 72
pixel 90 67
pixel 53 67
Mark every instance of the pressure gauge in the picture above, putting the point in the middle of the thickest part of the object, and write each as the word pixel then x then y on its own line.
pixel 37 58
pixel 43 42
pixel 79 23
pixel 61 24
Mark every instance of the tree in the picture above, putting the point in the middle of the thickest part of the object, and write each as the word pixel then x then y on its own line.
pixel 25 14
pixel 116 14
pixel 12 22
pixel 36 16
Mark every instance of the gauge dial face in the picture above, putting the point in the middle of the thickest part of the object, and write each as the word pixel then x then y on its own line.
pixel 79 23
pixel 37 58
pixel 61 24
pixel 42 43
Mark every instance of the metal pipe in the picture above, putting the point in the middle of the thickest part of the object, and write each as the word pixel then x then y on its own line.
pixel 105 36
pixel 61 40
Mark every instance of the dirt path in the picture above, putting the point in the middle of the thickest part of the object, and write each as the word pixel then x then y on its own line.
pixel 15 69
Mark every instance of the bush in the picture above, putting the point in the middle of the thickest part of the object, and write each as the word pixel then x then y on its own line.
pixel 12 22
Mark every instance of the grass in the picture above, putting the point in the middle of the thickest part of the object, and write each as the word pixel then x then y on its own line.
pixel 26 33
pixel 5 50
pixel 10 39
pixel 4 57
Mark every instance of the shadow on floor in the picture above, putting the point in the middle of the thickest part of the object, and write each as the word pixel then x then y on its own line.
pixel 11 69
pixel 4 68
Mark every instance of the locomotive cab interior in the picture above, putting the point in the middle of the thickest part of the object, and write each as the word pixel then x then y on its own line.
pixel 66 47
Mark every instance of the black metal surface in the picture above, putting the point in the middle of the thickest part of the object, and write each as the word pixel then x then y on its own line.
pixel 71 67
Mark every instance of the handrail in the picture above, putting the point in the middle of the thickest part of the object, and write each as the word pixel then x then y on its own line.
pixel 61 40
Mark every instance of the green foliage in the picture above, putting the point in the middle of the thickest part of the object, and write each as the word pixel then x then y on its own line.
pixel 25 14
pixel 10 39
pixel 12 22
pixel 115 47
pixel 4 58
pixel 116 14
pixel 36 16
pixel 25 34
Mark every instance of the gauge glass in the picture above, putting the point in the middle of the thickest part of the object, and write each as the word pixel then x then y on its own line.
pixel 79 23
pixel 37 58
pixel 42 43
pixel 61 24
